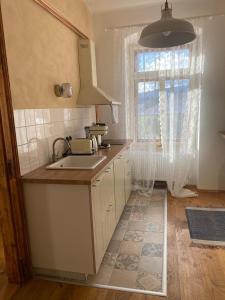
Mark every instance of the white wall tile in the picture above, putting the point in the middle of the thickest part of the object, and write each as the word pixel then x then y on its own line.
pixel 24 159
pixel 59 129
pixel 46 116
pixel 33 155
pixel 31 134
pixel 29 117
pixel 36 129
pixel 39 116
pixel 21 135
pixel 19 118
pixel 58 114
pixel 67 114
pixel 43 151
pixel 40 130
pixel 49 130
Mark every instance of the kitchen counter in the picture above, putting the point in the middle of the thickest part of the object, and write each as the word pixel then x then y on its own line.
pixel 78 177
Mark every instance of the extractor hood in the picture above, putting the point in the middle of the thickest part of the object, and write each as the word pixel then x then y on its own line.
pixel 89 93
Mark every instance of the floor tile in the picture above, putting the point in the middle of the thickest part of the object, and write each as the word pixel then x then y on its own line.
pixel 131 248
pixel 137 225
pixel 128 209
pixel 103 276
pixel 152 216
pixel 154 227
pixel 143 202
pixel 114 246
pixel 148 281
pixel 119 234
pixel 131 202
pixel 157 204
pixel 109 259
pixel 139 209
pixel 127 262
pixel 135 236
pixel 137 216
pixel 154 250
pixel 148 264
pixel 123 278
pixel 122 224
pixel 153 237
pixel 125 216
pixel 134 257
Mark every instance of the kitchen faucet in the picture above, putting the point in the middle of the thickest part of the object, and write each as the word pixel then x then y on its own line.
pixel 54 156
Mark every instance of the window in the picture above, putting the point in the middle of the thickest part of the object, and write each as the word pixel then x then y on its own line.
pixel 151 78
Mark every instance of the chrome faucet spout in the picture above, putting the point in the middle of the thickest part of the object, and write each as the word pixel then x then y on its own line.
pixel 68 150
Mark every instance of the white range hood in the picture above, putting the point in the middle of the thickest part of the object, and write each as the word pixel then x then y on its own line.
pixel 89 93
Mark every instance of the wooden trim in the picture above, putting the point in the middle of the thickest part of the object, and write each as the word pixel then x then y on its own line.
pixel 58 15
pixel 203 190
pixel 15 237
pixel 210 191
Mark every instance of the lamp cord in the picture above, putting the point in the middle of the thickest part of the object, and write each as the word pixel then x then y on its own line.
pixel 166 5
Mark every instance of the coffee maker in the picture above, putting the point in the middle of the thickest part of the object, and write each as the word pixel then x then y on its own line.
pixel 98 130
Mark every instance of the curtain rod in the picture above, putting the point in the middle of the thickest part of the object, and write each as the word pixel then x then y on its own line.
pixel 145 24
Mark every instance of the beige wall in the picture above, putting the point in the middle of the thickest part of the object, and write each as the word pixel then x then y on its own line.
pixel 76 12
pixel 42 52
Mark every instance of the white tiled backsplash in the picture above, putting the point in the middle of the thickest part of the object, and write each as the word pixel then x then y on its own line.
pixel 36 130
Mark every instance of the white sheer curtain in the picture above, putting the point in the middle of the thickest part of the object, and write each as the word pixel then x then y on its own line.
pixel 162 91
pixel 179 105
pixel 126 87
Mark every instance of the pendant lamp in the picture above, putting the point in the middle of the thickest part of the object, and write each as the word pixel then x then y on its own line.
pixel 167 32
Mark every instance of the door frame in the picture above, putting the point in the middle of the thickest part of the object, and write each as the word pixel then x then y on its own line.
pixel 12 211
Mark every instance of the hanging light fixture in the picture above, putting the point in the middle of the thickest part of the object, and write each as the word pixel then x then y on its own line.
pixel 167 32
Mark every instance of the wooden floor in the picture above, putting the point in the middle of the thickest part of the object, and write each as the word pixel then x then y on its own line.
pixel 194 273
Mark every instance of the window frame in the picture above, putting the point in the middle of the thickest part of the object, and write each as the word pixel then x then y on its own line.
pixel 153 76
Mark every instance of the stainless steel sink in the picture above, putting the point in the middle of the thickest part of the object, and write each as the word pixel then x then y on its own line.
pixel 77 162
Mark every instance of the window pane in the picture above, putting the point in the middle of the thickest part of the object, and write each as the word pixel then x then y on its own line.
pixel 178 89
pixel 148 127
pixel 164 60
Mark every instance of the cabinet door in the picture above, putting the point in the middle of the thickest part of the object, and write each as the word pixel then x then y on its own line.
pixel 128 177
pixel 110 216
pixel 98 212
pixel 119 185
pixel 103 203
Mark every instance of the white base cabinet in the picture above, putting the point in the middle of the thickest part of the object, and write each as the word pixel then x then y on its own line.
pixel 119 171
pixel 128 176
pixel 103 204
pixel 70 226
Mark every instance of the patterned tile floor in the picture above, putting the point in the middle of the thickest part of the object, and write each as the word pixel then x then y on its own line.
pixel 134 258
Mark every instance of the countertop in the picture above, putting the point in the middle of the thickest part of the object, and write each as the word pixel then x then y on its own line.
pixel 78 177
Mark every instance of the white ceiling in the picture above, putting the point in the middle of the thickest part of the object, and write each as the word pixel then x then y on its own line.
pixel 108 5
